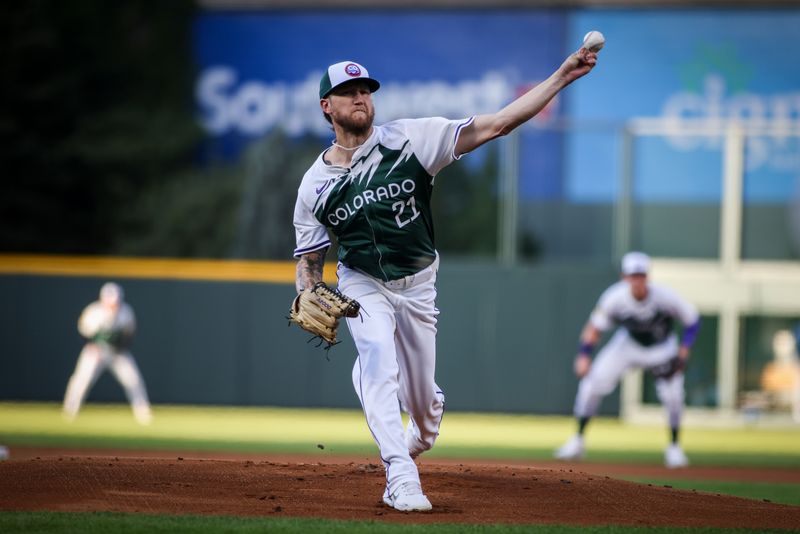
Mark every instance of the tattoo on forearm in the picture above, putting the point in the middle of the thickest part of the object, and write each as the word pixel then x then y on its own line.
pixel 309 269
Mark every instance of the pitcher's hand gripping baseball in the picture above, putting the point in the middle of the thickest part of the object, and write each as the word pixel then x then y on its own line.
pixel 318 309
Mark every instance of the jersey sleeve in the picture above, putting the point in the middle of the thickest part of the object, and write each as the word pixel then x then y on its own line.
pixel 310 234
pixel 89 321
pixel 681 308
pixel 433 141
pixel 602 316
pixel 127 321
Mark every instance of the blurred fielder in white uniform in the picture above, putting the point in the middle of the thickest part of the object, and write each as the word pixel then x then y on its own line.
pixel 372 189
pixel 108 325
pixel 645 314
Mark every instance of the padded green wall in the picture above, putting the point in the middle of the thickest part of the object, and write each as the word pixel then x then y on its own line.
pixel 506 340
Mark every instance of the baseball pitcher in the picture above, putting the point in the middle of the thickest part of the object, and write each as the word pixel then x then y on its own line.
pixel 645 314
pixel 372 189
pixel 108 325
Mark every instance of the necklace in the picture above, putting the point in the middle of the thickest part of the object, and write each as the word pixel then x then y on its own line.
pixel 334 143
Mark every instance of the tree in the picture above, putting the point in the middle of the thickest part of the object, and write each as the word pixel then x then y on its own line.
pixel 97 109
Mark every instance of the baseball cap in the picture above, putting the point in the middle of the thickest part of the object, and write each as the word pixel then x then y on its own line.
pixel 342 72
pixel 635 263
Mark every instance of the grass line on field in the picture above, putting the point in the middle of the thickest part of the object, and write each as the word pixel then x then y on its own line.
pixel 119 523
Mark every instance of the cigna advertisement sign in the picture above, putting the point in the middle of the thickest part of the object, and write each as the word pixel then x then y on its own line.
pixel 692 68
pixel 716 103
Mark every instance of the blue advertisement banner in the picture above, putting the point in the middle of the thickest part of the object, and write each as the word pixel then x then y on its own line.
pixel 261 70
pixel 699 66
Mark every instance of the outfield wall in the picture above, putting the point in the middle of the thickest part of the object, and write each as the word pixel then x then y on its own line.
pixel 506 340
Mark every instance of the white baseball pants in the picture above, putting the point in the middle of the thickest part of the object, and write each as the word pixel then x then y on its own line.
pixel 396 341
pixel 617 356
pixel 93 360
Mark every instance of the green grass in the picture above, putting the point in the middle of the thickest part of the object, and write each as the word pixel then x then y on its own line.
pixel 464 435
pixel 783 493
pixel 102 523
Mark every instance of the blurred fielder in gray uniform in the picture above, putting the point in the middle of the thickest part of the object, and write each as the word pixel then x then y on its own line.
pixel 108 325
pixel 372 189
pixel 645 314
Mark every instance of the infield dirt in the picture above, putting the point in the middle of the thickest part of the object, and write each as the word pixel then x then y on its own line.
pixel 351 488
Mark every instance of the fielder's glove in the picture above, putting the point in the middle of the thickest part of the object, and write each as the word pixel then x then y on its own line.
pixel 317 310
pixel 117 338
pixel 668 368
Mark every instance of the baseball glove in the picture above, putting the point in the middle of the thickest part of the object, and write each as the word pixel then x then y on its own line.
pixel 669 367
pixel 117 338
pixel 318 309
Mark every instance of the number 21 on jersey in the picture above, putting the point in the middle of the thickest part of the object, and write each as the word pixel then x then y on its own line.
pixel 400 207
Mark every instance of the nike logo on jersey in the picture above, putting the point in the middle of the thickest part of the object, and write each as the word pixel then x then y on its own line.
pixel 323 187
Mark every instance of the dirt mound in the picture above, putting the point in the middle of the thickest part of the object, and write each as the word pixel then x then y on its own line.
pixel 460 492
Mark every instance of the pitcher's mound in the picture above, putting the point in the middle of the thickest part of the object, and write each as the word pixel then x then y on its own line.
pixel 460 493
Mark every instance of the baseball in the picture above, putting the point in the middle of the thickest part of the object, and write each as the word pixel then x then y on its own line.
pixel 593 41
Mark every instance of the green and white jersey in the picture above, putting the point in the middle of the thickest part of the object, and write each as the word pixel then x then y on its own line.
pixel 379 209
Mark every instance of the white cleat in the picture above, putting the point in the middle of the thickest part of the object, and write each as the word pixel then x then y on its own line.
pixel 69 417
pixel 674 457
pixel 572 449
pixel 408 498
pixel 143 416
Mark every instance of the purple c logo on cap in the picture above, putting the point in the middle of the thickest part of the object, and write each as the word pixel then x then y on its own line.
pixel 351 69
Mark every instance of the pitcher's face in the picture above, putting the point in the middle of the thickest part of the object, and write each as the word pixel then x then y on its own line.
pixel 350 106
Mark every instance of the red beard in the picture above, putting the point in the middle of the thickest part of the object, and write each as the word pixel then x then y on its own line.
pixel 358 124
